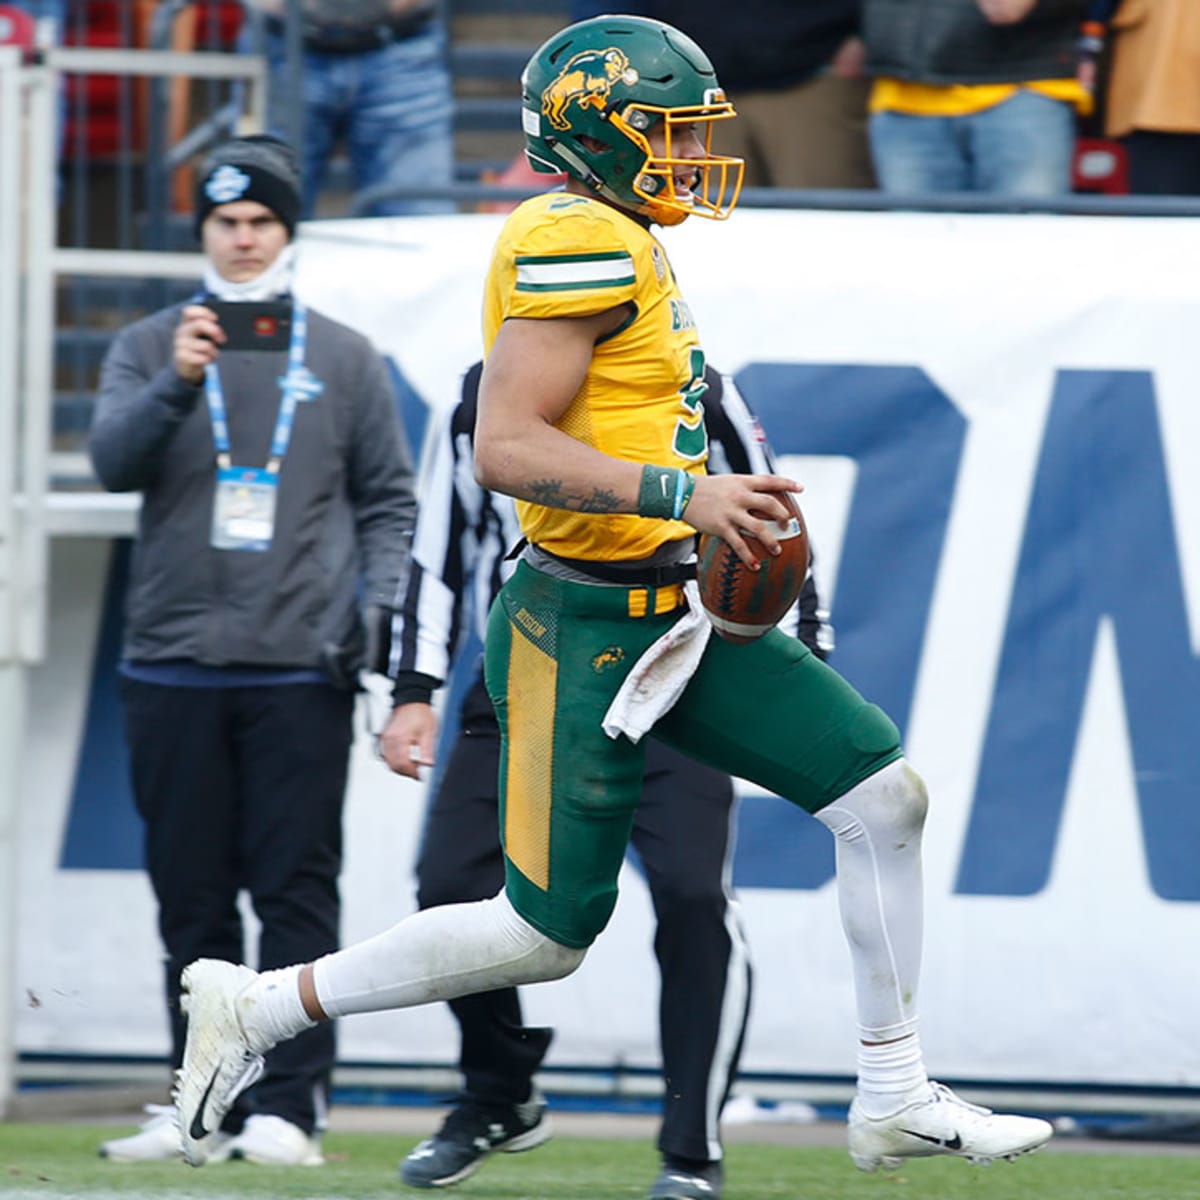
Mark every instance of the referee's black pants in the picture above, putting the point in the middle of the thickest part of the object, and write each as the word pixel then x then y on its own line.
pixel 682 834
pixel 242 788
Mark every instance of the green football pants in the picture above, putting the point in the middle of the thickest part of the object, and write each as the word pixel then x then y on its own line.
pixel 557 653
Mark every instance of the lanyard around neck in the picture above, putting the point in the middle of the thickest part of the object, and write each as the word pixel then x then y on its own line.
pixel 291 394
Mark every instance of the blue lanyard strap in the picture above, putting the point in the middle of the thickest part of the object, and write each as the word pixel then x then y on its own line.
pixel 289 386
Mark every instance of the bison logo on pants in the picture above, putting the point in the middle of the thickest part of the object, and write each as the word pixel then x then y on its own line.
pixel 587 78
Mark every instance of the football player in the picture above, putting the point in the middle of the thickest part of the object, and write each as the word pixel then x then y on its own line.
pixel 682 831
pixel 591 414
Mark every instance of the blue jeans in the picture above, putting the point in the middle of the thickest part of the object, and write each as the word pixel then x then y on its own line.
pixel 393 109
pixel 1022 147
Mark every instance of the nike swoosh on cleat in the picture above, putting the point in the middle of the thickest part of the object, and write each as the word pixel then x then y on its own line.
pixel 691 1181
pixel 197 1129
pixel 954 1143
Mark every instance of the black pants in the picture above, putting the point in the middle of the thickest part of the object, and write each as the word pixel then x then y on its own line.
pixel 243 789
pixel 682 836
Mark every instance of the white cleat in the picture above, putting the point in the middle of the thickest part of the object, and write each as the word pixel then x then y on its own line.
pixel 218 1062
pixel 271 1141
pixel 941 1124
pixel 158 1140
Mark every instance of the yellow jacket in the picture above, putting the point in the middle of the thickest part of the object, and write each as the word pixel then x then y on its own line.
pixel 1155 74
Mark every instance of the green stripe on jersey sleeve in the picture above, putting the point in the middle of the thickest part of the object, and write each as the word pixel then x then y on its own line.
pixel 574 272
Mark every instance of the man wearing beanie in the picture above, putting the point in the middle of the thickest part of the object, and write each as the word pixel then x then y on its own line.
pixel 276 508
pixel 259 167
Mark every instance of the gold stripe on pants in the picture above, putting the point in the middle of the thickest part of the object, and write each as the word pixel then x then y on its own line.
pixel 532 687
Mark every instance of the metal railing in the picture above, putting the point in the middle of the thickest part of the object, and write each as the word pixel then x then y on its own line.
pixel 51 269
pixel 128 135
pixel 91 287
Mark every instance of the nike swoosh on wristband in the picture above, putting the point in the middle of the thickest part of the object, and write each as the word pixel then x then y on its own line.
pixel 665 481
pixel 954 1143
pixel 197 1129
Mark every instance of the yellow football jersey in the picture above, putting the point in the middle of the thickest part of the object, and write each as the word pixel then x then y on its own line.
pixel 561 255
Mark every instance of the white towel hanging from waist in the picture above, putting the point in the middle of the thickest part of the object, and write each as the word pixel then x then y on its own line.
pixel 657 679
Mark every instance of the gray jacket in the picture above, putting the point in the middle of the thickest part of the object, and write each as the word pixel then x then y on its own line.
pixel 345 506
pixel 950 41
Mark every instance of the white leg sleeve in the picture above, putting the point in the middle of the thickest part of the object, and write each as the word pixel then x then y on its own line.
pixel 878 828
pixel 438 954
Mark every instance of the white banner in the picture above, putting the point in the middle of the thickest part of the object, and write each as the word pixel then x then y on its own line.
pixel 996 421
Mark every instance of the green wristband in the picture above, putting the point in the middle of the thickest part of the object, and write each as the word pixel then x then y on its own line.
pixel 658 490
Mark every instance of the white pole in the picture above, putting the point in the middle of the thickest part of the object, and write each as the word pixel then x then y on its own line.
pixel 39 355
pixel 12 724
pixel 10 273
pixel 12 680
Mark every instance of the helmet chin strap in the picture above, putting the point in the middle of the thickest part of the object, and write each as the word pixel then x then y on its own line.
pixel 587 175
pixel 590 179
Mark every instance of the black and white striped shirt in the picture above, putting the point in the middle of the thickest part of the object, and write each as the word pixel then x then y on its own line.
pixel 464 533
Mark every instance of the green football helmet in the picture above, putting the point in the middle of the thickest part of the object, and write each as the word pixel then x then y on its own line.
pixel 594 93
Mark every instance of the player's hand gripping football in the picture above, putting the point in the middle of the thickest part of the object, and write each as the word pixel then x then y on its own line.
pixel 732 505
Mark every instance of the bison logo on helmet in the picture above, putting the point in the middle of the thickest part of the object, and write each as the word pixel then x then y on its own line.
pixel 586 79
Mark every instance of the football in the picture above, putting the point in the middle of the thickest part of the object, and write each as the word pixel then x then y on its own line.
pixel 743 604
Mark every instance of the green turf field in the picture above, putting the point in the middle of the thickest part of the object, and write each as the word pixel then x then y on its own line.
pixel 56 1161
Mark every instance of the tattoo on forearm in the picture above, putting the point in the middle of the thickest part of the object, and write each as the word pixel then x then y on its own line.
pixel 550 492
pixel 600 501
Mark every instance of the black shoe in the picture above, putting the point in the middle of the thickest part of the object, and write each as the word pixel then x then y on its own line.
pixel 687 1179
pixel 469 1134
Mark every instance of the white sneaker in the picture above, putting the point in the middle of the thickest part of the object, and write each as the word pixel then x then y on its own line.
pixel 157 1140
pixel 941 1124
pixel 269 1139
pixel 218 1062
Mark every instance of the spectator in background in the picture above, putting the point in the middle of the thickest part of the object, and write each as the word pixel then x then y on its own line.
pixel 681 831
pixel 794 71
pixel 1152 103
pixel 374 78
pixel 273 481
pixel 974 95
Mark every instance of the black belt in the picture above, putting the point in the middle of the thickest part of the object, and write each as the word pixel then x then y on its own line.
pixel 355 39
pixel 644 576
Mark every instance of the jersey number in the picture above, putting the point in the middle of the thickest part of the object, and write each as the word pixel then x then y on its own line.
pixel 691 434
